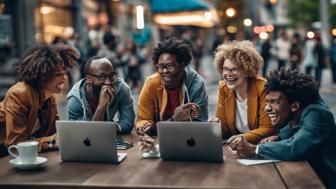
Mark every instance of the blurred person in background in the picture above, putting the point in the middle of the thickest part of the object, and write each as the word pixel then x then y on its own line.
pixel 28 111
pixel 266 54
pixel 309 60
pixel 132 60
pixel 108 50
pixel 175 93
pixel 198 46
pixel 101 95
pixel 282 46
pixel 321 59
pixel 94 41
pixel 241 93
pixel 295 52
pixel 74 42
pixel 332 54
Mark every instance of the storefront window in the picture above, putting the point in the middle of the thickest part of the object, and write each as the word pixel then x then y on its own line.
pixel 53 18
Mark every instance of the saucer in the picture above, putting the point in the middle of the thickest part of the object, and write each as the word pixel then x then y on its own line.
pixel 153 153
pixel 37 164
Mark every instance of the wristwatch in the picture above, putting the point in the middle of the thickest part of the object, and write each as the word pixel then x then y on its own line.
pixel 51 143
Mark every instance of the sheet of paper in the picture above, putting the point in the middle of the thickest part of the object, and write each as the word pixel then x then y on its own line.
pixel 256 161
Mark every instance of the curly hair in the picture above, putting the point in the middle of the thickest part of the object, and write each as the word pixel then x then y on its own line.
pixel 294 85
pixel 40 61
pixel 181 49
pixel 241 53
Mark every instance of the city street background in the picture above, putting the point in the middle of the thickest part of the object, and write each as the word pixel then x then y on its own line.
pixel 125 31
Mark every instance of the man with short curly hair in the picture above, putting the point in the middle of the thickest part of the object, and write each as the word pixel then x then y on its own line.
pixel 28 111
pixel 308 130
pixel 176 92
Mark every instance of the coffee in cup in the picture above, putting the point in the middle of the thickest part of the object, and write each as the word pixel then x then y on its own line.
pixel 26 151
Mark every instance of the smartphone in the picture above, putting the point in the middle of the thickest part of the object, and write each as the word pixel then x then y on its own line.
pixel 121 145
pixel 124 146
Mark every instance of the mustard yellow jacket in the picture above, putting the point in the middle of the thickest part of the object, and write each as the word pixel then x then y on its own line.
pixel 153 97
pixel 258 120
pixel 19 112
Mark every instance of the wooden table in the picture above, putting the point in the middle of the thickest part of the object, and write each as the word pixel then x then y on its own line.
pixel 135 172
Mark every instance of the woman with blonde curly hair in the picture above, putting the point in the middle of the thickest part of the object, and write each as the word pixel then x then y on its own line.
pixel 241 93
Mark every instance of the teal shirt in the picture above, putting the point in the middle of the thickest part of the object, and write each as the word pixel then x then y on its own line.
pixel 79 107
pixel 313 139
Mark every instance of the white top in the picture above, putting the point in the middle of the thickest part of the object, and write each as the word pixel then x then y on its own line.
pixel 241 116
pixel 282 48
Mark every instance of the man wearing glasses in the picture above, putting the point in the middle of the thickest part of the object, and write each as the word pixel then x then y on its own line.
pixel 100 95
pixel 176 92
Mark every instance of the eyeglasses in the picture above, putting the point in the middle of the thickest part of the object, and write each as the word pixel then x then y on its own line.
pixel 234 71
pixel 103 77
pixel 170 67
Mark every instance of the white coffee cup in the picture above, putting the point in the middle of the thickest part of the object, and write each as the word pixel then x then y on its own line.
pixel 27 151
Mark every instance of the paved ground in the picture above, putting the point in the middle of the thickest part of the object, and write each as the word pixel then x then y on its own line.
pixel 212 77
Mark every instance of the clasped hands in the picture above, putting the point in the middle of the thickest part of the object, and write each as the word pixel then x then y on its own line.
pixel 239 143
pixel 186 112
pixel 106 95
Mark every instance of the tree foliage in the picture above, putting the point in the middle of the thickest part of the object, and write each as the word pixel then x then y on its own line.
pixel 305 12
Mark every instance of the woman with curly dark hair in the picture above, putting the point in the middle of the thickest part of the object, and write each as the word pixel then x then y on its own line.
pixel 176 92
pixel 28 111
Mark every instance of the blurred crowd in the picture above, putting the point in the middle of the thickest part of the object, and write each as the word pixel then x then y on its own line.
pixel 297 52
pixel 293 50
pixel 127 56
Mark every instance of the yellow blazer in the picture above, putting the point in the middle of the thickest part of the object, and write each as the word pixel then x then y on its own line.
pixel 258 120
pixel 153 97
pixel 153 101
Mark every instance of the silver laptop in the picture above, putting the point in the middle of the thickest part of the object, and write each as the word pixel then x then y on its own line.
pixel 88 141
pixel 190 141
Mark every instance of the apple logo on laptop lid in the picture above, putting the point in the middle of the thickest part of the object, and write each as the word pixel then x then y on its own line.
pixel 191 142
pixel 87 142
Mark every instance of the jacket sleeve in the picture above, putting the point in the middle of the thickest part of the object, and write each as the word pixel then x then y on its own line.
pixel 126 110
pixel 201 99
pixel 146 105
pixel 265 128
pixel 303 143
pixel 17 109
pixel 75 110
pixel 18 106
pixel 220 114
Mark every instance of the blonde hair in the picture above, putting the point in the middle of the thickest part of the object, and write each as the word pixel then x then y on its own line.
pixel 241 53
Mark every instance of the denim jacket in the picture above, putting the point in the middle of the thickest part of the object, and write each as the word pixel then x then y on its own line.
pixel 79 107
pixel 312 139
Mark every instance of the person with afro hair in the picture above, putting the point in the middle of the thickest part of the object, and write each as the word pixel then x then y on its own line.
pixel 241 93
pixel 28 111
pixel 175 92
pixel 308 130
